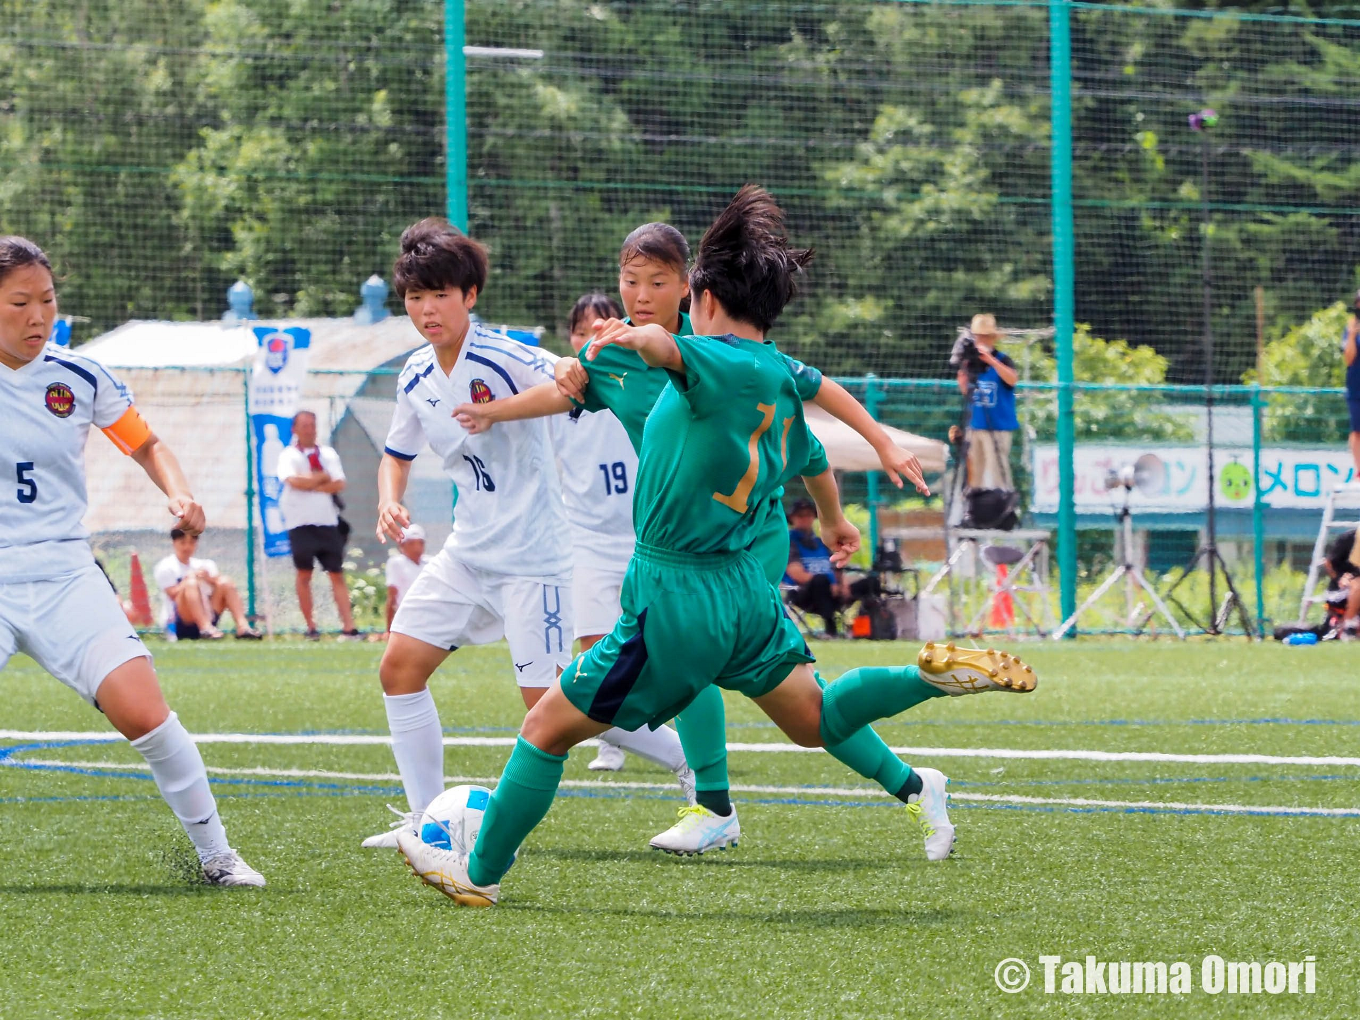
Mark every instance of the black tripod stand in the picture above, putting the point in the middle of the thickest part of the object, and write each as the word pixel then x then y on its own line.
pixel 1208 553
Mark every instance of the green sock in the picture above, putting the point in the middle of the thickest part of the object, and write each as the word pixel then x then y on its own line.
pixel 702 727
pixel 866 753
pixel 523 796
pixel 865 695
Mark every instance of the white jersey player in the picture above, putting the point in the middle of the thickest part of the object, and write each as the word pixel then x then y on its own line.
pixel 505 570
pixel 599 465
pixel 55 603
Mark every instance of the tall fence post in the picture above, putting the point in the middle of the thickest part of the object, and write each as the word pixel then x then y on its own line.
pixel 1258 509
pixel 250 500
pixel 455 116
pixel 1064 307
pixel 871 403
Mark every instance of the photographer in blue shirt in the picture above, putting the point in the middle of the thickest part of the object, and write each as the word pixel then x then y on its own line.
pixel 989 376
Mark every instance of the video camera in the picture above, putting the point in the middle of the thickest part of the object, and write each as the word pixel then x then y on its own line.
pixel 966 355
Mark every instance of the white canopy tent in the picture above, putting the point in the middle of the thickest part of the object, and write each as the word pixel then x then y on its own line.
pixel 189 382
pixel 846 449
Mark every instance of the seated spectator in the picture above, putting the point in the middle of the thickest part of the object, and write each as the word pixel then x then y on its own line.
pixel 1344 572
pixel 402 568
pixel 821 589
pixel 196 595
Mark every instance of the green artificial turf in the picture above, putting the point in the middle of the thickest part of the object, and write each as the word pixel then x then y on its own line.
pixel 826 909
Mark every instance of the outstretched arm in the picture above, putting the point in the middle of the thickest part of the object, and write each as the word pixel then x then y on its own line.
pixel 540 401
pixel 833 398
pixel 840 536
pixel 162 467
pixel 657 347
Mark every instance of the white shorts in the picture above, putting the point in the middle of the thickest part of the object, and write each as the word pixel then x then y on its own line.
pixel 451 604
pixel 72 625
pixel 595 589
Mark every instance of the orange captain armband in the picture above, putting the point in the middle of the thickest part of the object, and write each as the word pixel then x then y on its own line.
pixel 129 432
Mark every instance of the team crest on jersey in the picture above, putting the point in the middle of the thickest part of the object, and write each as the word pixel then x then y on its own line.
pixel 60 400
pixel 480 392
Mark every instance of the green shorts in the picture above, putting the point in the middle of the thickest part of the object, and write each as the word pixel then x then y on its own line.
pixel 688 621
pixel 771 545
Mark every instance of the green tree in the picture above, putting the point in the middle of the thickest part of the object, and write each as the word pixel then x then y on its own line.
pixel 1114 414
pixel 1309 355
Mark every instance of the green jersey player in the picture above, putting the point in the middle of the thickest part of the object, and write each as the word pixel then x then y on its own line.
pixel 653 284
pixel 724 435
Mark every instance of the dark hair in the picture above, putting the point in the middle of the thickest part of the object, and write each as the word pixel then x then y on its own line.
pixel 656 242
pixel 436 255
pixel 309 414
pixel 745 260
pixel 177 533
pixel 595 305
pixel 802 505
pixel 17 252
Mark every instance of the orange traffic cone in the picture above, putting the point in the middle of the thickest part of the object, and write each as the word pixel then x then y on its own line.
pixel 141 603
pixel 1003 609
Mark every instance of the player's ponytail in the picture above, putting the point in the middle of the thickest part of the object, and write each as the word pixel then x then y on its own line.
pixel 17 252
pixel 746 262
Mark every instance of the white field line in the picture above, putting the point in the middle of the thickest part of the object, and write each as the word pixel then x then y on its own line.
pixel 786 791
pixel 773 747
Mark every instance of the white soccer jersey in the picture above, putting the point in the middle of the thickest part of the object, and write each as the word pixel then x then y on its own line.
pixel 46 409
pixel 509 517
pixel 599 466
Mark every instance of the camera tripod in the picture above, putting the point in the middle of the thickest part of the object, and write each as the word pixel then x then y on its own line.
pixel 1133 580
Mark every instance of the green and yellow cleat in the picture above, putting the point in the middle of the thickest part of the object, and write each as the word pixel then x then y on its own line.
pixel 959 671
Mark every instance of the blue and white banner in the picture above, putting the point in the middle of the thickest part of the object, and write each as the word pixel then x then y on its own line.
pixel 276 382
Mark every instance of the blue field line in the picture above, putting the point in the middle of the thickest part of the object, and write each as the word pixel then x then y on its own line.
pixel 290 787
pixel 93 769
pixel 981 723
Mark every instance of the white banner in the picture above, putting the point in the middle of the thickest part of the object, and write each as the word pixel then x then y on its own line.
pixel 1174 479
pixel 276 381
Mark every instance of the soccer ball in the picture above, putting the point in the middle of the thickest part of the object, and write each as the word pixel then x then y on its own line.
pixel 454 818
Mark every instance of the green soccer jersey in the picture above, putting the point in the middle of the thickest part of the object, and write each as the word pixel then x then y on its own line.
pixel 724 435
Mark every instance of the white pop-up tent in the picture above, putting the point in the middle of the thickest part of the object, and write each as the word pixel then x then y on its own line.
pixel 846 449
pixel 189 382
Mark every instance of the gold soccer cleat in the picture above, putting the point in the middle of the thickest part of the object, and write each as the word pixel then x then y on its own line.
pixel 446 871
pixel 971 670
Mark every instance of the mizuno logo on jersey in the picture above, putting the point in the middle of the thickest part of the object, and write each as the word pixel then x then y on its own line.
pixel 432 401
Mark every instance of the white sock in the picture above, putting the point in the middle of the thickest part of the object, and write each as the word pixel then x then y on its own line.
pixel 660 746
pixel 178 770
pixel 417 744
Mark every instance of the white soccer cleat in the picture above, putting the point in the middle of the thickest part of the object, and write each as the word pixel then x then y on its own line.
pixel 972 670
pixel 698 831
pixel 607 759
pixel 228 870
pixel 406 820
pixel 685 777
pixel 930 810
pixel 446 870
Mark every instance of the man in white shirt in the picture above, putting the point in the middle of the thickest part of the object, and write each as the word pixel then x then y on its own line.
pixel 312 477
pixel 403 566
pixel 196 594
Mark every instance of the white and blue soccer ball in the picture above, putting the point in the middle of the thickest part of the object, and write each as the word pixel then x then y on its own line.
pixel 454 818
